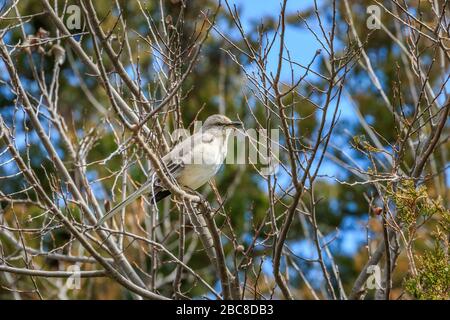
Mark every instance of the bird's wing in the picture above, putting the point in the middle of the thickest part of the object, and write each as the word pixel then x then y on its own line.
pixel 184 152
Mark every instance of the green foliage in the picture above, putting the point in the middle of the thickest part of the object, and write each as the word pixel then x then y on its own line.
pixel 414 202
pixel 360 143
pixel 433 279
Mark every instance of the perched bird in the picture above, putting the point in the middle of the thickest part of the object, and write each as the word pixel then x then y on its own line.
pixel 191 163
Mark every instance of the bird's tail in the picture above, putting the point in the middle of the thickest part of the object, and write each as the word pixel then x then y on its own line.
pixel 145 188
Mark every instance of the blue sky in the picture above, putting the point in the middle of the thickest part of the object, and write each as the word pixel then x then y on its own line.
pixel 301 43
pixel 302 46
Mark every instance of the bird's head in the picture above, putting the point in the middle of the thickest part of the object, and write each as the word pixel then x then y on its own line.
pixel 220 122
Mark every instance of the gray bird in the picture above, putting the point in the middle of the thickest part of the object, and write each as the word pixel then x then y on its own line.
pixel 192 162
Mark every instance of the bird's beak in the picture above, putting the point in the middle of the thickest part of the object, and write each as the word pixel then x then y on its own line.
pixel 235 124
